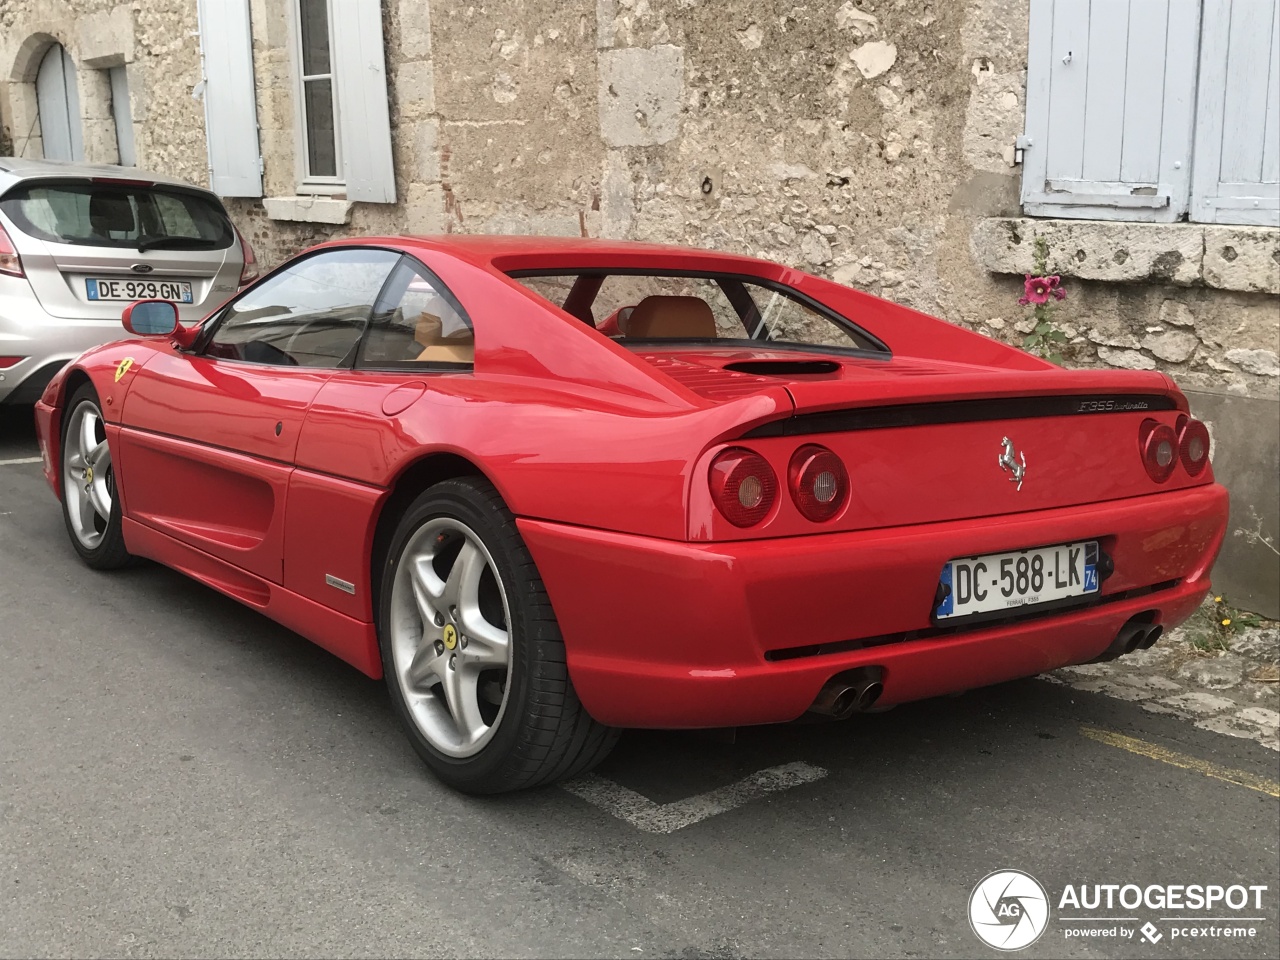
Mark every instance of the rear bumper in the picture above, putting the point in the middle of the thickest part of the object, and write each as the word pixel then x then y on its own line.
pixel 46 344
pixel 667 634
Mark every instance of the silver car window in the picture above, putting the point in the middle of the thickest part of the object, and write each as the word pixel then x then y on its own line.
pixel 118 214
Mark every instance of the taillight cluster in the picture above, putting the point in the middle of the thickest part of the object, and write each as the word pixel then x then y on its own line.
pixel 1163 447
pixel 10 262
pixel 249 272
pixel 745 487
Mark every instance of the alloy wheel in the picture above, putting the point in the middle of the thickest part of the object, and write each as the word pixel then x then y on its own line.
pixel 449 637
pixel 88 482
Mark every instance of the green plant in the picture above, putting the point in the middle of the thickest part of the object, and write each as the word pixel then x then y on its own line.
pixel 1218 623
pixel 1038 292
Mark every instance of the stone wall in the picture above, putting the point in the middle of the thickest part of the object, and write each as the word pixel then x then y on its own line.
pixel 866 140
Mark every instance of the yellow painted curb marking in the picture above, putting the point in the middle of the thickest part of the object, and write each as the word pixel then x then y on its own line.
pixel 1141 747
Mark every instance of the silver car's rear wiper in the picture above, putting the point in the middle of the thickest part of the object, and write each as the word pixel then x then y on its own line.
pixel 155 243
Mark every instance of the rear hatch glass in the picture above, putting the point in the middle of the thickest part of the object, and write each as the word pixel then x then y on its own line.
pixel 138 217
pixel 90 246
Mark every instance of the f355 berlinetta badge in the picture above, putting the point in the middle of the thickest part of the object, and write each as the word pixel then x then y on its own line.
pixel 1012 462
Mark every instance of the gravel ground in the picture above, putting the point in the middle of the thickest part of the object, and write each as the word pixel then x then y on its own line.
pixel 1224 682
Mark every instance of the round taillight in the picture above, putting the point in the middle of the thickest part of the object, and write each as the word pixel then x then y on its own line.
pixel 1193 446
pixel 819 482
pixel 1159 447
pixel 743 486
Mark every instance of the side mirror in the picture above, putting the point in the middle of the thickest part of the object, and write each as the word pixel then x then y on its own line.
pixel 150 318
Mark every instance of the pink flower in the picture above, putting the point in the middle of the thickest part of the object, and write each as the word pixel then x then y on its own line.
pixel 1039 289
pixel 1023 301
pixel 1059 293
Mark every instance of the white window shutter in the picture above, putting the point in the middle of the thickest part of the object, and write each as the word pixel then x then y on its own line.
pixel 230 105
pixel 1110 106
pixel 364 122
pixel 1237 169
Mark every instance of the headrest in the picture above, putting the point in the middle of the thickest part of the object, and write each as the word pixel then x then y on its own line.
pixel 438 322
pixel 671 317
pixel 443 334
pixel 111 213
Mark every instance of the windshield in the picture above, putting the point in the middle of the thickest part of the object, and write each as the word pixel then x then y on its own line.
pixel 118 214
pixel 642 308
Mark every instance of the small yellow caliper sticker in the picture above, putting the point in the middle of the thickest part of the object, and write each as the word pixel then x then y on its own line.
pixel 123 367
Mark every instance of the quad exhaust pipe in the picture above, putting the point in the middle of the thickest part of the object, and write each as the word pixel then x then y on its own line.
pixel 845 694
pixel 1136 634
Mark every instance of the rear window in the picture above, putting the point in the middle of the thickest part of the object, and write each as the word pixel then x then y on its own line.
pixel 118 215
pixel 640 308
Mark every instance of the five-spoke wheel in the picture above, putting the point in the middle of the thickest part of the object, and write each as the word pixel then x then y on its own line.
pixel 89 503
pixel 449 639
pixel 471 650
pixel 88 483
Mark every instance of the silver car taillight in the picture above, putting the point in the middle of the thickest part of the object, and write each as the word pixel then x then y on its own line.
pixel 249 272
pixel 10 262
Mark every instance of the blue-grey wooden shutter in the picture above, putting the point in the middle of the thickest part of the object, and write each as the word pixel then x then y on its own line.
pixel 1110 106
pixel 122 112
pixel 1237 145
pixel 364 123
pixel 230 105
pixel 58 103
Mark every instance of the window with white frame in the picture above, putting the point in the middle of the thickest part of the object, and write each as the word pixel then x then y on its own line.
pixel 343 134
pixel 319 154
pixel 1153 110
pixel 344 125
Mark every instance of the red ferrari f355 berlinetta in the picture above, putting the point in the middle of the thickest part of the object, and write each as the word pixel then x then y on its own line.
pixel 553 488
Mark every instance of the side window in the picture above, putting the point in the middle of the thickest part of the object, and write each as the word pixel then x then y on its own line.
pixel 310 314
pixel 417 320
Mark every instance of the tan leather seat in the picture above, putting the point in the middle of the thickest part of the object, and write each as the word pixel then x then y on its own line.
pixel 671 318
pixel 457 346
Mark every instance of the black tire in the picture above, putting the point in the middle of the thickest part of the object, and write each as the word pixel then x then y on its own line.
pixel 107 551
pixel 542 733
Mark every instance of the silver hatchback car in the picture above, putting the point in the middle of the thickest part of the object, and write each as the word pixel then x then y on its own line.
pixel 79 241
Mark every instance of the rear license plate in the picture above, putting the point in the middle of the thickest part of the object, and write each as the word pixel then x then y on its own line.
pixel 179 291
pixel 1004 581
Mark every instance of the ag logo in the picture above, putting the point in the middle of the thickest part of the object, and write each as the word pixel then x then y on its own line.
pixel 450 636
pixel 1008 910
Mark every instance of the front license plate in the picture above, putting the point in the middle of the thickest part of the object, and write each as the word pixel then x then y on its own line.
pixel 179 291
pixel 1003 581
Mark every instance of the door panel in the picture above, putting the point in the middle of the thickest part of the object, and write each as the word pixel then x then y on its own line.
pixel 224 503
pixel 250 408
pixel 208 449
pixel 210 439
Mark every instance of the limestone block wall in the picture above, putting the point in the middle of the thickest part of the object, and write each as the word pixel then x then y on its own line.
pixel 866 140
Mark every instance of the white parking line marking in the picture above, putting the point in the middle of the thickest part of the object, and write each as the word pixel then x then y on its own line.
pixel 643 814
pixel 20 460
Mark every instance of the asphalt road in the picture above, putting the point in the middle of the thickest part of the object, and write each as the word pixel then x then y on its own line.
pixel 181 777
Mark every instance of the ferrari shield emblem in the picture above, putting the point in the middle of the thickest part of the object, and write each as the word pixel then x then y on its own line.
pixel 123 367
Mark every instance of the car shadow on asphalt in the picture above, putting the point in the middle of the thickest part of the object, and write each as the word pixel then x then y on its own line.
pixel 17 431
pixel 940 744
